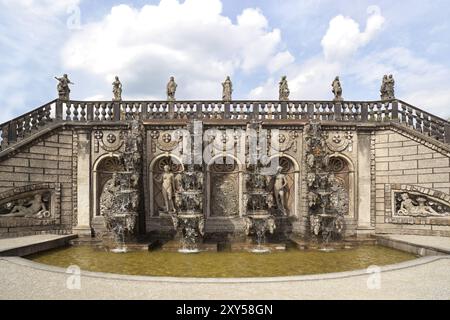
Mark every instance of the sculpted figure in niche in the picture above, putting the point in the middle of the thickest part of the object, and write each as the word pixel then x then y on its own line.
pixel 168 189
pixel 280 190
pixel 34 208
pixel 109 194
pixel 409 208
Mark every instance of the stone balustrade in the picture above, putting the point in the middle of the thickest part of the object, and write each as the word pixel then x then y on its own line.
pixel 73 112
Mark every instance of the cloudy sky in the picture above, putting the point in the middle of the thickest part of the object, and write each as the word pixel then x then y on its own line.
pixel 200 42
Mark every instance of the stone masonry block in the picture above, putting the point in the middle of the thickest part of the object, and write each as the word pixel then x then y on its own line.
pixel 434 163
pixel 16 162
pixel 412 164
pixel 44 150
pixel 408 179
pixel 441 177
pixel 403 151
pixel 395 137
pixel 44 164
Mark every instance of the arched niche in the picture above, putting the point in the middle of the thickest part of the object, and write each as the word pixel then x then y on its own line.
pixel 224 187
pixel 103 171
pixel 155 180
pixel 291 171
pixel 343 170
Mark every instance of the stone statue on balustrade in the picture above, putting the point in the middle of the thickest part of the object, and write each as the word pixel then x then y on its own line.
pixel 227 90
pixel 279 189
pixel 171 89
pixel 387 88
pixel 33 208
pixel 117 89
pixel 337 89
pixel 284 89
pixel 63 87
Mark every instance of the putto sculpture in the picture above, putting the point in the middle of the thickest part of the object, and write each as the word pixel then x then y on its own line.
pixel 284 89
pixel 63 87
pixel 387 89
pixel 117 89
pixel 337 89
pixel 227 91
pixel 171 89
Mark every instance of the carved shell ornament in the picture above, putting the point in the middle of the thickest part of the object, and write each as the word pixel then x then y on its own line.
pixel 110 144
pixel 286 141
pixel 166 140
pixel 340 141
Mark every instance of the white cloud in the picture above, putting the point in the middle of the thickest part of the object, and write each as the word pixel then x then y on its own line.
pixel 191 40
pixel 344 37
pixel 419 81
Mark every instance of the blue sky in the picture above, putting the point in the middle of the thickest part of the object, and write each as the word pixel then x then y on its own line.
pixel 200 42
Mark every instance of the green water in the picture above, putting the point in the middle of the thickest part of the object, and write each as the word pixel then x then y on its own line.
pixel 223 264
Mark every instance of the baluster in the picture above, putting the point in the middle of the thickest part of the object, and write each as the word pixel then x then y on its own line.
pixel 26 125
pixel 96 112
pixel 75 112
pixel 379 112
pixel 426 124
pixel 20 124
pixel 5 136
pixel 41 117
pixel 82 111
pixel 371 113
pixel 68 111
pixel 33 121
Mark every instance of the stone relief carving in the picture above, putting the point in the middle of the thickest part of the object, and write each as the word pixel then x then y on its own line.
pixel 166 140
pixel 37 201
pixel 224 179
pixel 286 141
pixel 417 205
pixel 340 141
pixel 109 141
pixel 32 207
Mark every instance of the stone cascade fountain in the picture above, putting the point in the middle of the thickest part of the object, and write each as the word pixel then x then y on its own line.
pixel 120 200
pixel 188 218
pixel 326 212
pixel 259 202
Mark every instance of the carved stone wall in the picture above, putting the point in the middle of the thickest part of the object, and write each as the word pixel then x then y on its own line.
pixel 48 160
pixel 405 166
